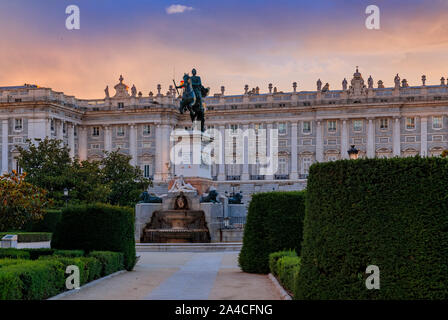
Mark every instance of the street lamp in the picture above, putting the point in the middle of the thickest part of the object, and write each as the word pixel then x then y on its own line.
pixel 353 153
pixel 66 196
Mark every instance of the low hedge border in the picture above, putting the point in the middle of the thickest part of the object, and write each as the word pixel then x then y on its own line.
pixel 285 266
pixel 29 236
pixel 26 279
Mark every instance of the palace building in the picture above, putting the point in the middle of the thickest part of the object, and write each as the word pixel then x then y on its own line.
pixel 312 126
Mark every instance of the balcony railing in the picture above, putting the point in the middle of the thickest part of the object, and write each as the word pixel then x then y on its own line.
pixel 257 177
pixel 233 177
pixel 303 176
pixel 281 176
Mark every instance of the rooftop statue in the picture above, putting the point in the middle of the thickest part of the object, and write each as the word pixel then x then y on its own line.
pixel 192 96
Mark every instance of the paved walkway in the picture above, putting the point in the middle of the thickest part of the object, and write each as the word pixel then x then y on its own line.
pixel 182 276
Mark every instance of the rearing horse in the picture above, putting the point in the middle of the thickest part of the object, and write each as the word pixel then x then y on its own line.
pixel 191 103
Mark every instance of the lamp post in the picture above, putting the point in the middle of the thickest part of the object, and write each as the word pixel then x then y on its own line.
pixel 353 153
pixel 66 196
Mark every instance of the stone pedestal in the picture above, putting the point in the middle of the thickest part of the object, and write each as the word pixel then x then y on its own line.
pixel 143 214
pixel 212 212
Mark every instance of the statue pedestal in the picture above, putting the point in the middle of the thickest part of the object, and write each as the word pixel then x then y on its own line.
pixel 191 158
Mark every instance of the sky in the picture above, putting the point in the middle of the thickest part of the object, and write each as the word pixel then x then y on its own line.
pixel 230 42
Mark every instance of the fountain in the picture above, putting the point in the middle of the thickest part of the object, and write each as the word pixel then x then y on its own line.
pixel 179 224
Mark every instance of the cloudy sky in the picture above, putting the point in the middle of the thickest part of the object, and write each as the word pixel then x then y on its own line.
pixel 230 43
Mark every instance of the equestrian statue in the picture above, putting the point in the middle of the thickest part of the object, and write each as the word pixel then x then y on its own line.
pixel 192 96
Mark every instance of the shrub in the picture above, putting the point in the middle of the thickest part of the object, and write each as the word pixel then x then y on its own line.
pixel 97 227
pixel 391 213
pixel 69 253
pixel 274 223
pixel 275 256
pixel 288 269
pixel 36 253
pixel 32 280
pixel 47 224
pixel 14 253
pixel 7 261
pixel 111 261
pixel 29 236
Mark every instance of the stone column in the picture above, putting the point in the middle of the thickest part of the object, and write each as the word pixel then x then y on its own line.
pixel 270 156
pixel 294 173
pixel 222 154
pixel 107 138
pixel 162 152
pixel 319 142
pixel 424 136
pixel 71 139
pixel 5 147
pixel 344 140
pixel 133 144
pixel 396 137
pixel 48 128
pixel 370 138
pixel 60 132
pixel 245 174
pixel 82 143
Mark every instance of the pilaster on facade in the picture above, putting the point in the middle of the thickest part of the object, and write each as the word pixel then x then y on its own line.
pixel 245 175
pixel 222 153
pixel 5 146
pixel 344 139
pixel 370 138
pixel 319 142
pixel 294 172
pixel 133 144
pixel 82 144
pixel 71 139
pixel 396 143
pixel 107 138
pixel 424 136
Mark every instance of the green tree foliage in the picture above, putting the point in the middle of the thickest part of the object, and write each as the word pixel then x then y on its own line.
pixel 112 180
pixel 126 182
pixel 20 201
pixel 391 213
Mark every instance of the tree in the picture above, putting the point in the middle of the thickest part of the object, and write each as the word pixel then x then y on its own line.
pixel 87 183
pixel 126 181
pixel 48 165
pixel 20 201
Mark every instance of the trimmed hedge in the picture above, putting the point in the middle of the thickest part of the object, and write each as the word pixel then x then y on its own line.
pixel 391 213
pixel 274 223
pixel 275 256
pixel 110 261
pixel 14 253
pixel 47 224
pixel 68 253
pixel 29 236
pixel 97 227
pixel 32 280
pixel 285 266
pixel 37 253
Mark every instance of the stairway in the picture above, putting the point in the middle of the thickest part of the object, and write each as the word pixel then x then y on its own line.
pixel 188 247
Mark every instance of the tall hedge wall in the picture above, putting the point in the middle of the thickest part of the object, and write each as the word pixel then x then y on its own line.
pixel 274 223
pixel 392 213
pixel 97 227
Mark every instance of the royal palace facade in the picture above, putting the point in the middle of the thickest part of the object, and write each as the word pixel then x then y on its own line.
pixel 312 126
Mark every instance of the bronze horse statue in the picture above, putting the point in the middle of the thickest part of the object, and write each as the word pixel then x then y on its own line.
pixel 192 100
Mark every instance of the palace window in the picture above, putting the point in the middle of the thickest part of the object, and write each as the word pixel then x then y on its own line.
pixel 282 165
pixel 306 163
pixel 52 125
pixel 147 171
pixel 357 125
pixel 384 124
pixel 233 128
pixel 75 131
pixel 331 125
pixel 96 131
pixel 410 123
pixel 146 130
pixel 120 105
pixel 437 122
pixel 281 128
pixel 18 124
pixel 120 131
pixel 306 127
pixel 64 128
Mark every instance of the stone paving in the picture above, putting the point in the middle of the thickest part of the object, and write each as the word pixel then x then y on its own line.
pixel 182 276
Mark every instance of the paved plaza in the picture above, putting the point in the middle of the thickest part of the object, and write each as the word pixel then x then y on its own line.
pixel 182 276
